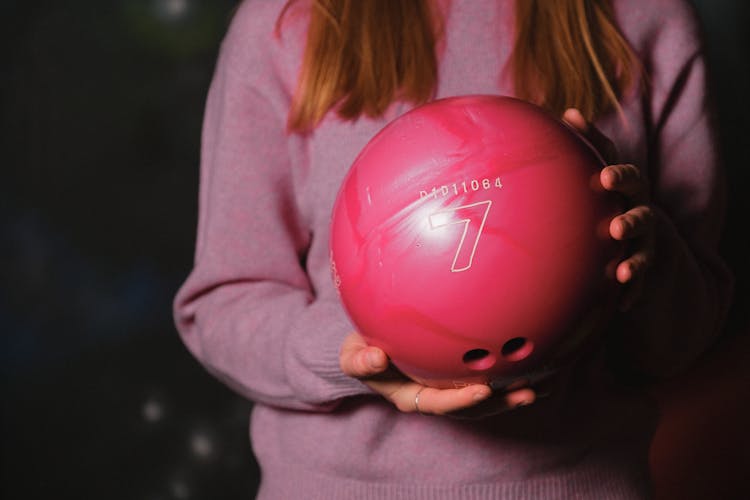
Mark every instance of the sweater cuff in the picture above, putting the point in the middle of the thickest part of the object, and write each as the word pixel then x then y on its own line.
pixel 313 365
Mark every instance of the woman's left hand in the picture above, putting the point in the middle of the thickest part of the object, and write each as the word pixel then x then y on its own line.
pixel 636 225
pixel 370 364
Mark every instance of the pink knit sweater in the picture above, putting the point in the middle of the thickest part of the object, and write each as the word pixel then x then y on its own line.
pixel 260 312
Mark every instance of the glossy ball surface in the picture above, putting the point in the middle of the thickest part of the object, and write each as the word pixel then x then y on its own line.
pixel 469 240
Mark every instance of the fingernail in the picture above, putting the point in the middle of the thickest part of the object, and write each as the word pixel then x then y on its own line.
pixel 523 403
pixel 482 393
pixel 373 359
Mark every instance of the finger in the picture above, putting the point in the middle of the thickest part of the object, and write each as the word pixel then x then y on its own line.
pixel 510 400
pixel 521 397
pixel 634 267
pixel 498 403
pixel 359 360
pixel 575 119
pixel 439 401
pixel 635 223
pixel 626 179
pixel 632 292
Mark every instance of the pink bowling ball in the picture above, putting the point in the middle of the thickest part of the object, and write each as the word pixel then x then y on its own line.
pixel 470 242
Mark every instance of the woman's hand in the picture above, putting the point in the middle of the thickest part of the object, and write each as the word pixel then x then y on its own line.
pixel 636 225
pixel 370 365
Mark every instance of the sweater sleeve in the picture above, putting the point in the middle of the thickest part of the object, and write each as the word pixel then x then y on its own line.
pixel 247 311
pixel 688 289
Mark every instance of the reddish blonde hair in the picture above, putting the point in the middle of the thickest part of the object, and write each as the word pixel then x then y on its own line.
pixel 361 55
pixel 570 53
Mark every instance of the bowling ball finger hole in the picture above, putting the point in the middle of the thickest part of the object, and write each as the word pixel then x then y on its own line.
pixel 479 359
pixel 516 349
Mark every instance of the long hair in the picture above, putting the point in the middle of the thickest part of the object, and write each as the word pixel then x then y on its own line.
pixel 570 53
pixel 361 55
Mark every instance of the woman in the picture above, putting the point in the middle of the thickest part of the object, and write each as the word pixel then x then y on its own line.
pixel 299 89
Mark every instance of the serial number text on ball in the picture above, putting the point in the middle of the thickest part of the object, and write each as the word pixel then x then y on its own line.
pixel 461 187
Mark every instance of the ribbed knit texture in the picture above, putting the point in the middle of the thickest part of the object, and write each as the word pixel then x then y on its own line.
pixel 592 483
pixel 260 312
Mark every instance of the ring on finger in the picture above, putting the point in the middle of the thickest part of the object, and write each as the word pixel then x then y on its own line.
pixel 416 401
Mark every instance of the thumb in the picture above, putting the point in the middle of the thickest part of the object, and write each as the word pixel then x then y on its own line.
pixel 359 360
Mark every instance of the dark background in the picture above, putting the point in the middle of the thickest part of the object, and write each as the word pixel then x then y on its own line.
pixel 101 109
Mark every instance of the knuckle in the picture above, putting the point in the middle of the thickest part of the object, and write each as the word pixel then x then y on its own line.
pixel 648 214
pixel 615 173
pixel 625 223
pixel 632 171
pixel 359 365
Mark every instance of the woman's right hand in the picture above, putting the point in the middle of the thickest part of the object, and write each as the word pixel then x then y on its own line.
pixel 371 365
